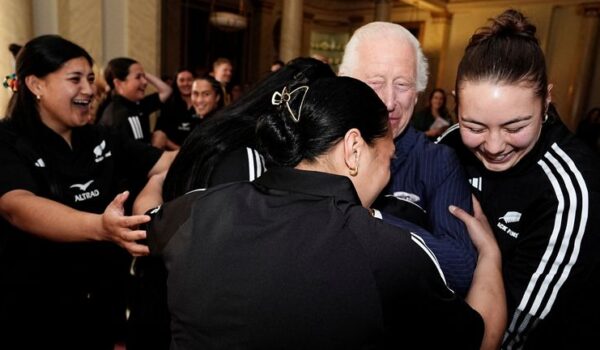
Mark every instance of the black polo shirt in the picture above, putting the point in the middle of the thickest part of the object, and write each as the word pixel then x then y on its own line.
pixel 63 286
pixel 177 121
pixel 131 118
pixel 292 260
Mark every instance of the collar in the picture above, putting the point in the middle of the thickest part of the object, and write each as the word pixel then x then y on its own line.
pixel 310 182
pixel 81 137
pixel 405 142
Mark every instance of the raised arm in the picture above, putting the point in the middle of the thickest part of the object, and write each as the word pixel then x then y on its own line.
pixel 486 294
pixel 163 89
pixel 57 222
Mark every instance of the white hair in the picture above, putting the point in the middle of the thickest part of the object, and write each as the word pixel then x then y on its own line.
pixel 375 30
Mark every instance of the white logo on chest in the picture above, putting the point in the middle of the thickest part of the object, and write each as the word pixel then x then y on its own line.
pixel 99 152
pixel 405 196
pixel 508 218
pixel 184 126
pixel 83 188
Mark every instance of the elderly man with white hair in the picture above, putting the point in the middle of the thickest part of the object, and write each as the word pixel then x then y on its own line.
pixel 425 177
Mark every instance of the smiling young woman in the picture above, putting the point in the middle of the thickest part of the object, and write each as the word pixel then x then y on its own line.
pixel 60 279
pixel 538 184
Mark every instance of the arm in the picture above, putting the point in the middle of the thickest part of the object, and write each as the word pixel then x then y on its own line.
pixel 151 196
pixel 450 187
pixel 486 294
pixel 163 163
pixel 51 220
pixel 163 89
pixel 161 140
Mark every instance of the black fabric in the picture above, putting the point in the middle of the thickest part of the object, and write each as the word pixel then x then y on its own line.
pixel 65 287
pixel 544 213
pixel 292 260
pixel 131 118
pixel 177 121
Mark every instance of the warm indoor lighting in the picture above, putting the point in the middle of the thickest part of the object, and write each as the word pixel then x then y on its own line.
pixel 229 21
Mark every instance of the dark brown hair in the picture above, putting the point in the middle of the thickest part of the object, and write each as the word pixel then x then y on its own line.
pixel 507 51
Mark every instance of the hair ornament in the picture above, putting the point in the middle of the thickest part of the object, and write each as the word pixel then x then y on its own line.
pixel 286 97
pixel 10 82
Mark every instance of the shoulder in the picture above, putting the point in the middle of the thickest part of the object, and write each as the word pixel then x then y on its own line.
pixel 8 133
pixel 391 245
pixel 241 164
pixel 433 155
pixel 169 217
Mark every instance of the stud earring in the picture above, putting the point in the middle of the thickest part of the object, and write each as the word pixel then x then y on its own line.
pixel 545 118
pixel 38 97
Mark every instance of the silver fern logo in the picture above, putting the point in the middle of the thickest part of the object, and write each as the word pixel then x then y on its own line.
pixel 511 216
pixel 508 218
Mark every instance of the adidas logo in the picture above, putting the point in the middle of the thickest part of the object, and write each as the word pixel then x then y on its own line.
pixel 40 163
pixel 476 182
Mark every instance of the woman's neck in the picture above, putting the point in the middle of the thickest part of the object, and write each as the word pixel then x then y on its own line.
pixel 61 130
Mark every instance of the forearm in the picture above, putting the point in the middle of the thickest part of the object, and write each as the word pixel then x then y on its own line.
pixel 54 221
pixel 163 163
pixel 49 219
pixel 151 196
pixel 486 296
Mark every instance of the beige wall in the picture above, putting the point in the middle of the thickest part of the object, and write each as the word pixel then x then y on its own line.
pixel 15 27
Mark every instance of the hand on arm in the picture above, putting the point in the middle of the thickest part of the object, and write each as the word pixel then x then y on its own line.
pixel 57 222
pixel 486 294
pixel 163 89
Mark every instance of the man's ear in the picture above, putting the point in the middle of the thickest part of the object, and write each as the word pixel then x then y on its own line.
pixel 35 84
pixel 353 143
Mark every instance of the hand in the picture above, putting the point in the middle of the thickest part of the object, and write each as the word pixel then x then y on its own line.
pixel 122 229
pixel 479 228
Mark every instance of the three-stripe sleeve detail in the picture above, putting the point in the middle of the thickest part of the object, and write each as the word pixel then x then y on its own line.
pixel 563 247
pixel 136 127
pixel 256 164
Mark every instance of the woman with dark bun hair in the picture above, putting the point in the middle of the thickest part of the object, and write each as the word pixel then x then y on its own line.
pixel 538 184
pixel 295 259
